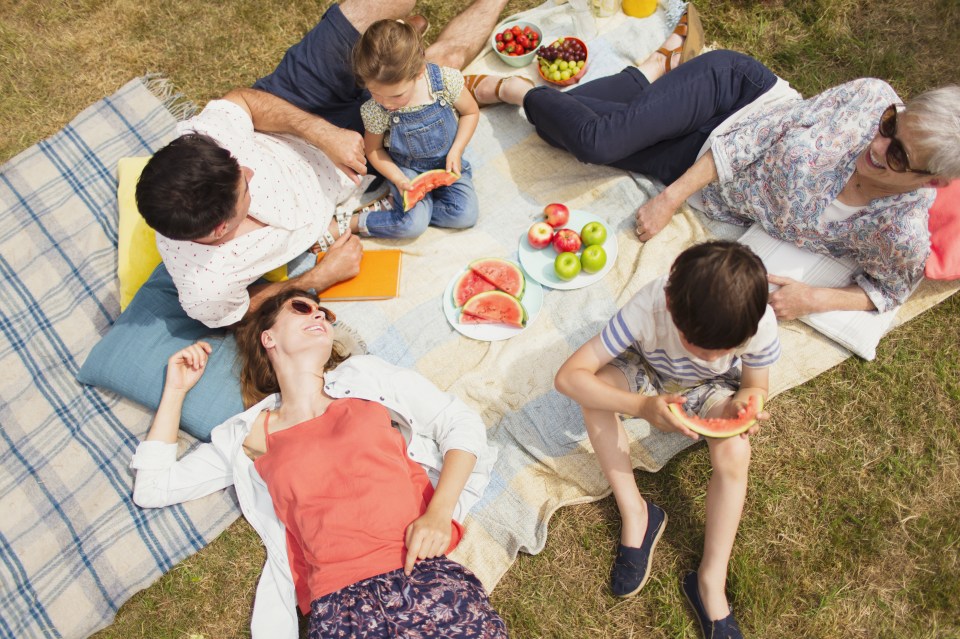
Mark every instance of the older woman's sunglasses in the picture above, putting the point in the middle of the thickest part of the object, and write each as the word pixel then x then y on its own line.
pixel 303 307
pixel 897 159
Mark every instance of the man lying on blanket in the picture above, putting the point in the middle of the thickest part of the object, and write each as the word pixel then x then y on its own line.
pixel 254 180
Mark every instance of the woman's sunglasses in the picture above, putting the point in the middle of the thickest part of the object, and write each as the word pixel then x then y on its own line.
pixel 897 159
pixel 303 307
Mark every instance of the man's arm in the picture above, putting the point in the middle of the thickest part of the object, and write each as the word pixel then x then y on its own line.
pixel 271 114
pixel 339 263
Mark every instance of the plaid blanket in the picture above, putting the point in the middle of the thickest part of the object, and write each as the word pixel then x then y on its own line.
pixel 74 546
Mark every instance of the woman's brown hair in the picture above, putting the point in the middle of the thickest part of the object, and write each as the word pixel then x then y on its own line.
pixel 388 52
pixel 257 378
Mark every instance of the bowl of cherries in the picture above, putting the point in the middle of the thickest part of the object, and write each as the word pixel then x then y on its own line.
pixel 564 61
pixel 517 42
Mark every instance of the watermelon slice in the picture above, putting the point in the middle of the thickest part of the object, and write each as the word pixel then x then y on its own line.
pixel 494 307
pixel 503 274
pixel 721 428
pixel 470 284
pixel 427 181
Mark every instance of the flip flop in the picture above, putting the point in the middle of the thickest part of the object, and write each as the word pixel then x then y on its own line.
pixel 691 30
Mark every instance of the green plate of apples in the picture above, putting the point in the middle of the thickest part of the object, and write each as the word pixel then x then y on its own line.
pixel 569 249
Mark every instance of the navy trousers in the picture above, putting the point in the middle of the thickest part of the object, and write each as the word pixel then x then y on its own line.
pixel 655 128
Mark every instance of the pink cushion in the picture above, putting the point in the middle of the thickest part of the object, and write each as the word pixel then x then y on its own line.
pixel 944 224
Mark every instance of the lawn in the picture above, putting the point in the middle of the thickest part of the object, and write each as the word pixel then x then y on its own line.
pixel 851 525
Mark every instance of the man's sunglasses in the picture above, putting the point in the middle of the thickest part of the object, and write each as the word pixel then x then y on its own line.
pixel 897 159
pixel 303 307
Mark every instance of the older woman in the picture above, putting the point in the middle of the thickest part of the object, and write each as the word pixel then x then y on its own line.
pixel 844 173
pixel 356 474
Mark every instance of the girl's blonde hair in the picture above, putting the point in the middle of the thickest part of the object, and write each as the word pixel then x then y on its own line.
pixel 257 378
pixel 388 52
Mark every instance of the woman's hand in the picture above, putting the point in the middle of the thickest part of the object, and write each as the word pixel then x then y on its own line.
pixel 653 215
pixel 427 536
pixel 454 162
pixel 656 410
pixel 186 366
pixel 792 300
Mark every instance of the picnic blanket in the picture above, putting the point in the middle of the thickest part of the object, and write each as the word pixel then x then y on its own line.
pixel 75 547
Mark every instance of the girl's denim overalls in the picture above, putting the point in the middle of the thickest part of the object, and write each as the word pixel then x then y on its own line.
pixel 419 141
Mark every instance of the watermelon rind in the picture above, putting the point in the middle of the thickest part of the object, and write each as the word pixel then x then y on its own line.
pixel 720 428
pixel 497 271
pixel 427 181
pixel 469 284
pixel 494 307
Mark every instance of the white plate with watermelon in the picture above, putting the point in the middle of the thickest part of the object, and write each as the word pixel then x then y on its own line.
pixel 539 262
pixel 491 299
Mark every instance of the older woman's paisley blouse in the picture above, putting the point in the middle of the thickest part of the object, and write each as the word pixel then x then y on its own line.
pixel 783 167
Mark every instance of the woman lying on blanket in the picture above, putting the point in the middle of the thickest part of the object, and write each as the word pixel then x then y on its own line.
pixel 844 173
pixel 357 480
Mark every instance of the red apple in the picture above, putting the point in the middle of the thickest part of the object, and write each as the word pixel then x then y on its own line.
pixel 556 214
pixel 566 241
pixel 540 235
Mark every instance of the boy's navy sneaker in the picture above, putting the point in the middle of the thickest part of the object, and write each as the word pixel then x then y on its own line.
pixel 631 568
pixel 725 628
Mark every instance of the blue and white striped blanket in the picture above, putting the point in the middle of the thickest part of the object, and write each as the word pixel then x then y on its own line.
pixel 73 547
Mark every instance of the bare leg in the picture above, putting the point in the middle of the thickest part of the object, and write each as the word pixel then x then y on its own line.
pixel 363 13
pixel 464 36
pixel 726 493
pixel 610 442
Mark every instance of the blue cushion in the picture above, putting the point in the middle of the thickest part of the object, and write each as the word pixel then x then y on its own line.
pixel 131 359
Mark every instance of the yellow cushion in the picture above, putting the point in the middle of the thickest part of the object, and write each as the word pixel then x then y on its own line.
pixel 137 253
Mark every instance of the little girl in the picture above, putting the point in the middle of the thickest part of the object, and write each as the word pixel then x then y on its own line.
pixel 412 126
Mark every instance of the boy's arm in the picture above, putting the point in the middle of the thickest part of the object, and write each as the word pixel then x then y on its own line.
pixel 578 379
pixel 271 114
pixel 469 112
pixel 382 162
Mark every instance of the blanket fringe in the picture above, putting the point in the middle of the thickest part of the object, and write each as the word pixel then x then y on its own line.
pixel 179 106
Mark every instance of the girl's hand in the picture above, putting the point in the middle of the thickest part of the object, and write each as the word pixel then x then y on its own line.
pixel 186 366
pixel 656 411
pixel 403 185
pixel 427 536
pixel 454 162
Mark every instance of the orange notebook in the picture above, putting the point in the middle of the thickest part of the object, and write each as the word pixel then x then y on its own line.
pixel 379 278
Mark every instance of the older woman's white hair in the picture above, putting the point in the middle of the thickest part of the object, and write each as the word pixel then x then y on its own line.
pixel 934 120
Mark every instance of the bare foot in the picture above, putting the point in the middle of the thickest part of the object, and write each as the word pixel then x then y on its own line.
pixel 512 90
pixel 656 64
pixel 653 216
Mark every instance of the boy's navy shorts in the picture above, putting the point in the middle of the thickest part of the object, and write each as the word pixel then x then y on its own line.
pixel 315 74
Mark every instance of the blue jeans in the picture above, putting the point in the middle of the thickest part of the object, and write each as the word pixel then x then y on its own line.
pixel 655 128
pixel 420 141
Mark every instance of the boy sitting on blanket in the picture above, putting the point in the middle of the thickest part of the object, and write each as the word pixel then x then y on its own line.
pixel 703 336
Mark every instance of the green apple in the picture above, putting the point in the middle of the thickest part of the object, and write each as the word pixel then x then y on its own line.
pixel 593 259
pixel 567 265
pixel 593 233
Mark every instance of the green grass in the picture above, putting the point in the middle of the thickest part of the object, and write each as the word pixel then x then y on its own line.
pixel 851 524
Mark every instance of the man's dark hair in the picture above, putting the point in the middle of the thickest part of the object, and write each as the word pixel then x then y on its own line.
pixel 717 294
pixel 188 187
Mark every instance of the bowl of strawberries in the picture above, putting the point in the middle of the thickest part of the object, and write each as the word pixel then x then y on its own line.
pixel 516 43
